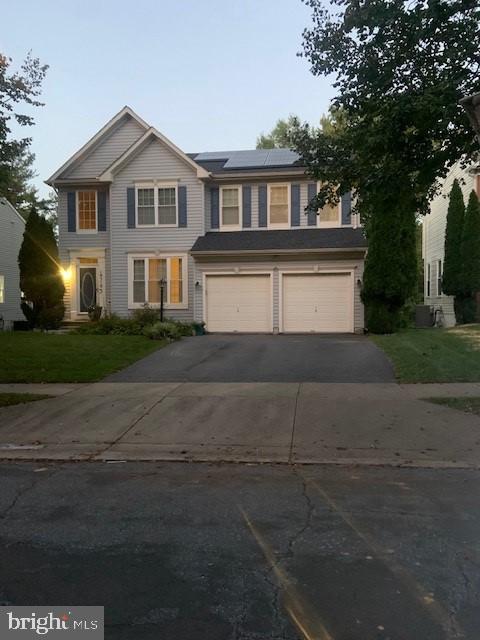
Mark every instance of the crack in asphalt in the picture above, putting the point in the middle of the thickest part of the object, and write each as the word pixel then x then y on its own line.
pixel 25 490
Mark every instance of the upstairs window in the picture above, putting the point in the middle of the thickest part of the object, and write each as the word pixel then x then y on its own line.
pixel 157 206
pixel 278 206
pixel 329 215
pixel 230 207
pixel 87 211
pixel 147 276
pixel 167 206
pixel 145 207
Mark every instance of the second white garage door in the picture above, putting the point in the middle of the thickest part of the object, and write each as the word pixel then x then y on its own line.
pixel 240 303
pixel 318 303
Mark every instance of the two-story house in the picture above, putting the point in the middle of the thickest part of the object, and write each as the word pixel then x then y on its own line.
pixel 225 232
pixel 12 227
pixel 433 239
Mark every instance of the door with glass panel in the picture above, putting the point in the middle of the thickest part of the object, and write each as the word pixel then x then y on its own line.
pixel 87 288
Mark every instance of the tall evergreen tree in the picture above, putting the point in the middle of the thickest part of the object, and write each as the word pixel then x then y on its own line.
pixel 40 279
pixel 452 280
pixel 471 257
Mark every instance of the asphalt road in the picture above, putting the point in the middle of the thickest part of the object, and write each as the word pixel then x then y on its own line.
pixel 224 552
pixel 263 358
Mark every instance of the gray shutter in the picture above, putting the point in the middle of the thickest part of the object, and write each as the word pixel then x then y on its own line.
pixel 131 207
pixel 312 192
pixel 72 210
pixel 347 208
pixel 262 205
pixel 295 204
pixel 246 206
pixel 102 210
pixel 214 211
pixel 182 206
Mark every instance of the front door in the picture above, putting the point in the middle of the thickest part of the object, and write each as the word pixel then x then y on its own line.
pixel 87 288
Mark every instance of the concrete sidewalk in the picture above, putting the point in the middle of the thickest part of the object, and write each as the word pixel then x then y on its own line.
pixel 244 422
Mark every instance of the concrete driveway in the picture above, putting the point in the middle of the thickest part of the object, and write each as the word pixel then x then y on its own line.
pixel 263 358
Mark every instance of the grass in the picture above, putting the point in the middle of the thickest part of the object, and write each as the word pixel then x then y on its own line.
pixel 467 405
pixel 7 399
pixel 434 355
pixel 41 357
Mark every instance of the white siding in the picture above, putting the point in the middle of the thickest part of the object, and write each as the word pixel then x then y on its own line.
pixel 11 236
pixel 107 150
pixel 155 161
pixel 434 225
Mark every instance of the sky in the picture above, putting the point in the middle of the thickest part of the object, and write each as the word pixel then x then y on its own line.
pixel 210 75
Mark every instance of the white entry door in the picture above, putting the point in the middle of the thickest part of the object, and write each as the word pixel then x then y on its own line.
pixel 319 303
pixel 240 303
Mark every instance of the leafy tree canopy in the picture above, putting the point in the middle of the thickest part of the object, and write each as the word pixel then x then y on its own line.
pixel 279 136
pixel 400 70
pixel 19 92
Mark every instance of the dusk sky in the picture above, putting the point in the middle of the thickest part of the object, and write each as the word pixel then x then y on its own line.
pixel 209 75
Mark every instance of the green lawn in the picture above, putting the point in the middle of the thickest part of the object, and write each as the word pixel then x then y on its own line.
pixel 7 399
pixel 43 357
pixel 468 405
pixel 434 355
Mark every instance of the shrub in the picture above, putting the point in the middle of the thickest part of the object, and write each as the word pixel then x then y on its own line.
pixel 146 315
pixel 112 325
pixel 379 318
pixel 51 317
pixel 163 330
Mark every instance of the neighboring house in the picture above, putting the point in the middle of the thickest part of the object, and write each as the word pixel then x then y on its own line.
pixel 434 225
pixel 12 226
pixel 226 232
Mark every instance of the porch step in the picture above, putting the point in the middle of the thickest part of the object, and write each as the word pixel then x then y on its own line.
pixel 72 324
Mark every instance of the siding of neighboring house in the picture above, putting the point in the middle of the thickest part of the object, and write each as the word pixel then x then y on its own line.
pixel 107 150
pixel 12 227
pixel 297 263
pixel 158 162
pixel 434 225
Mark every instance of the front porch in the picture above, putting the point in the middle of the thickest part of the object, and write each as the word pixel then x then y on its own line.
pixel 84 275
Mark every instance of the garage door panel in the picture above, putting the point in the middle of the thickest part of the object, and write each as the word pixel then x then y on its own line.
pixel 239 303
pixel 317 303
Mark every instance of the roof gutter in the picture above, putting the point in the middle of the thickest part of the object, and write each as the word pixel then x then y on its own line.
pixel 249 252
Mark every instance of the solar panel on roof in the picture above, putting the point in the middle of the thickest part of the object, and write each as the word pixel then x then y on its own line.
pixel 278 157
pixel 253 158
pixel 214 155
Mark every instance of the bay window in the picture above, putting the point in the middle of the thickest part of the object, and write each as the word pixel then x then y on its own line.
pixel 156 205
pixel 230 204
pixel 278 205
pixel 147 274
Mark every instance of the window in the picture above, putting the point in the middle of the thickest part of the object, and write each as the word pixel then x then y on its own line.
pixel 2 289
pixel 167 206
pixel 439 278
pixel 157 206
pixel 147 274
pixel 279 206
pixel 428 279
pixel 87 210
pixel 329 214
pixel 145 207
pixel 230 205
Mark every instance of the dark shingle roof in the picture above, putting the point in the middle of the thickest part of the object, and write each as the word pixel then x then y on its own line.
pixel 281 240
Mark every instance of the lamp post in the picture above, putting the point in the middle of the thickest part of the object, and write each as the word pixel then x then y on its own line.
pixel 471 104
pixel 163 284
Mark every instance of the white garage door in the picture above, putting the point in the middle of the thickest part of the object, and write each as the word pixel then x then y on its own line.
pixel 239 303
pixel 318 302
